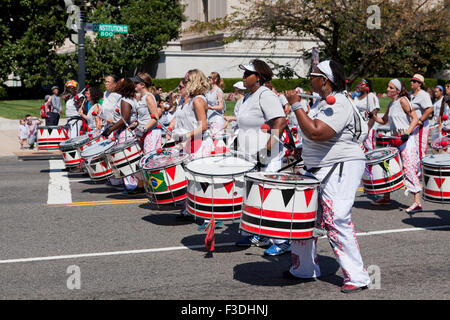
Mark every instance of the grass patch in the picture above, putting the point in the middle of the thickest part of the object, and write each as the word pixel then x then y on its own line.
pixel 16 109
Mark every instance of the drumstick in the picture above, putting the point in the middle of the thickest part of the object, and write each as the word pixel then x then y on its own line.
pixel 330 99
pixel 161 126
pixel 126 124
pixel 266 128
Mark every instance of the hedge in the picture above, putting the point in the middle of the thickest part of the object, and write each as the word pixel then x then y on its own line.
pixel 379 84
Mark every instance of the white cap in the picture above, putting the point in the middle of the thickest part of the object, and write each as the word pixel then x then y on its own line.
pixel 239 85
pixel 248 67
pixel 299 90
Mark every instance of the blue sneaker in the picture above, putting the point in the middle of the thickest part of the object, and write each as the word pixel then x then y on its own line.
pixel 219 224
pixel 253 241
pixel 278 249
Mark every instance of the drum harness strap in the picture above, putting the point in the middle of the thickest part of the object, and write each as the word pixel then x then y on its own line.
pixel 318 228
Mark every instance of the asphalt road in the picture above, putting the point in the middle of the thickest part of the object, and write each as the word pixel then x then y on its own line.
pixel 413 263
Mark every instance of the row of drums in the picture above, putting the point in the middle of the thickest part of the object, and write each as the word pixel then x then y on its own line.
pixel 226 186
pixel 384 174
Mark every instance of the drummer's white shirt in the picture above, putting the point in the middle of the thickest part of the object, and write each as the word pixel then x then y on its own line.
pixel 255 110
pixel 110 103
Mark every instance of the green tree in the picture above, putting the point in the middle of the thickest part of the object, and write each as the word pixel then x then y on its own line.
pixel 31 31
pixel 412 36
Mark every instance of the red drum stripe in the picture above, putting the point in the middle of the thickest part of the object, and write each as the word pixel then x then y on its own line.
pixel 52 139
pixel 217 216
pixel 436 193
pixel 127 157
pixel 72 161
pixel 101 173
pixel 278 234
pixel 203 200
pixel 398 174
pixel 297 216
pixel 174 187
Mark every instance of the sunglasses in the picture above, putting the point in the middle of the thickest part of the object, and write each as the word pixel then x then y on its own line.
pixel 414 81
pixel 248 73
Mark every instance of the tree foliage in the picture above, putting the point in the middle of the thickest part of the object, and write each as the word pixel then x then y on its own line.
pixel 412 38
pixel 32 30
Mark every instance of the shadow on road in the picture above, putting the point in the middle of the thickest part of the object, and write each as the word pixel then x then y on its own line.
pixel 269 273
pixel 442 218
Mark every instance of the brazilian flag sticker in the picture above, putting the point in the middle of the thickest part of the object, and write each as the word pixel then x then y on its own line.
pixel 157 182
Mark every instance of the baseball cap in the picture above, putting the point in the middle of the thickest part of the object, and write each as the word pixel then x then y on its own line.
pixel 418 77
pixel 250 67
pixel 239 85
pixel 137 79
pixel 55 87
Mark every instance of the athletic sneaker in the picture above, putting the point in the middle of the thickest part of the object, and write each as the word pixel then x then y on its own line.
pixel 381 201
pixel 219 224
pixel 416 207
pixel 278 248
pixel 253 241
pixel 349 288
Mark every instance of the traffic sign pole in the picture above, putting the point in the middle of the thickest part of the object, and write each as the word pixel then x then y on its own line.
pixel 81 49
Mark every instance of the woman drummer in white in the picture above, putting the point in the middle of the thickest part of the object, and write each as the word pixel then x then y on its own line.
pixel 191 122
pixel 261 106
pixel 368 105
pixel 402 121
pixel 124 117
pixel 93 95
pixel 146 107
pixel 216 103
pixel 332 155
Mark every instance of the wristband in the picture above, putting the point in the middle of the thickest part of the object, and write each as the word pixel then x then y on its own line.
pixel 296 106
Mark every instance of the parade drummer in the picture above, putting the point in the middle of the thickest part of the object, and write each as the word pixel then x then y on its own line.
pixel 146 107
pixel 191 123
pixel 111 99
pixel 421 103
pixel 332 155
pixel 402 121
pixel 75 123
pixel 368 105
pixel 124 117
pixel 216 103
pixel 261 106
pixel 93 95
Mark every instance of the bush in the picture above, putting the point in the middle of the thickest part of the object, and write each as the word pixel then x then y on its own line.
pixel 3 93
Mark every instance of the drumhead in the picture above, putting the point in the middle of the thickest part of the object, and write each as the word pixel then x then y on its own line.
pixel 97 148
pixel 437 160
pixel 165 159
pixel 122 145
pixel 283 178
pixel 73 143
pixel 381 154
pixel 219 166
pixel 384 128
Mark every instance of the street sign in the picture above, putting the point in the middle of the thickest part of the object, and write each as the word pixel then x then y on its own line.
pixel 107 30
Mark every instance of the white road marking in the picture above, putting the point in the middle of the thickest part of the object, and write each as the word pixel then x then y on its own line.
pixel 115 253
pixel 58 185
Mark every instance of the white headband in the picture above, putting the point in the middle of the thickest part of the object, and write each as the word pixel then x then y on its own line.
pixel 324 66
pixel 397 84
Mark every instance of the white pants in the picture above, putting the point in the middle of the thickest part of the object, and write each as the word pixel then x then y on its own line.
pixel 337 198
pixel 74 128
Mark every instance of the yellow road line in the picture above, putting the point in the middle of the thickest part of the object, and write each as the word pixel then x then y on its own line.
pixel 99 203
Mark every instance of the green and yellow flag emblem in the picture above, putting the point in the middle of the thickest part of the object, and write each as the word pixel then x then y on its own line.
pixel 157 182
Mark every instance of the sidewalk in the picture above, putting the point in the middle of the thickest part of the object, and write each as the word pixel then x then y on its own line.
pixel 9 143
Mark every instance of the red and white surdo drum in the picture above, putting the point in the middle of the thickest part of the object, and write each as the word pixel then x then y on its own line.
pixel 383 171
pixel 216 186
pixel 165 175
pixel 49 137
pixel 95 160
pixel 280 205
pixel 383 136
pixel 124 158
pixel 436 178
pixel 70 152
